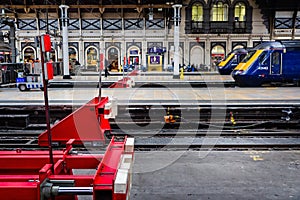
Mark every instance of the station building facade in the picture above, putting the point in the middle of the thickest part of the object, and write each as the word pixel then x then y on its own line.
pixel 144 36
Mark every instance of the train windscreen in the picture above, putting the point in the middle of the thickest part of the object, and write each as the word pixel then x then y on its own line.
pixel 249 56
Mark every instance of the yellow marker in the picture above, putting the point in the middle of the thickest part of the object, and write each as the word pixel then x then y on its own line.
pixel 257 158
pixel 181 74
pixel 232 119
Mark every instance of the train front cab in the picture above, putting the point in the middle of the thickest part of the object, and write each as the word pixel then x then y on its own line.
pixel 226 66
pixel 262 65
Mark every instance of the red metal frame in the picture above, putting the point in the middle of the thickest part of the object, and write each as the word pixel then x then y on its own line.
pixel 23 173
pixel 125 82
pixel 28 174
pixel 86 124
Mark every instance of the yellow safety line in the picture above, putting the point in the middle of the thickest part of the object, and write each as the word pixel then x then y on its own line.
pixel 256 155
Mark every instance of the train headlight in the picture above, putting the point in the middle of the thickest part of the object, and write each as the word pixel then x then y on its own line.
pixel 239 72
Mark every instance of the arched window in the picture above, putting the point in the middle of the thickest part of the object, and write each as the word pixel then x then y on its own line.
pixel 113 55
pixel 72 53
pixel 29 53
pixel 239 15
pixel 134 55
pixel 238 47
pixel 217 54
pixel 219 12
pixel 197 12
pixel 91 57
pixel 197 16
pixel 240 12
pixel 197 57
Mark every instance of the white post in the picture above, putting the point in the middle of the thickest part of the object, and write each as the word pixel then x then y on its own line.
pixel 64 20
pixel 176 40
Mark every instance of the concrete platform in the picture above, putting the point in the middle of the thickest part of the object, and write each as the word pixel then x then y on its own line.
pixel 158 96
pixel 149 73
pixel 216 175
pixel 142 79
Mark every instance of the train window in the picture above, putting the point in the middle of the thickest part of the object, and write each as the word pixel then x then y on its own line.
pixel 235 59
pixel 227 56
pixel 249 56
pixel 242 56
pixel 276 58
pixel 263 58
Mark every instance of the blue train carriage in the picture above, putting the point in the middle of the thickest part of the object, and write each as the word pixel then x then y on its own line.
pixel 268 63
pixel 226 66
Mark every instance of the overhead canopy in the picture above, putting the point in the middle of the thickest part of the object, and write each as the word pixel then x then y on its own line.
pixel 269 8
pixel 28 5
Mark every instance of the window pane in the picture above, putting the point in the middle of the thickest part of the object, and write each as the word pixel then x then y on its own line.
pixel 197 12
pixel 276 59
pixel 262 58
pixel 219 12
pixel 240 12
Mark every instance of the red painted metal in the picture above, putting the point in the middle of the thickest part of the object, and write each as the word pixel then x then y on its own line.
pixel 28 174
pixel 103 180
pixel 46 43
pixel 124 82
pixel 23 174
pixel 86 124
pixel 134 73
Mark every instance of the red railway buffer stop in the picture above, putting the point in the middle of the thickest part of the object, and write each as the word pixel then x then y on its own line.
pixel 27 175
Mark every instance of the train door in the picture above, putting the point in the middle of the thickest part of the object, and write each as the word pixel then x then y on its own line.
pixel 276 63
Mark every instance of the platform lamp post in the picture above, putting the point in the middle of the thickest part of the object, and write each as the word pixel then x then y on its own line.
pixel 176 40
pixel 64 20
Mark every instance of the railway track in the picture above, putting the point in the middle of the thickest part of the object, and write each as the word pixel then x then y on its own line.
pixel 194 126
pixel 197 116
pixel 258 139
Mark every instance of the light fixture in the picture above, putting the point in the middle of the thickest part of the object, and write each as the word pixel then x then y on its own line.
pixel 168 2
pixel 151 14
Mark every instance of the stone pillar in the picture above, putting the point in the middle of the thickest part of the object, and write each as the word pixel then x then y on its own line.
pixel 65 45
pixel 176 40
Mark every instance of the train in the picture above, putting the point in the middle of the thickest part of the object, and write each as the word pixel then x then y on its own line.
pixel 226 66
pixel 274 62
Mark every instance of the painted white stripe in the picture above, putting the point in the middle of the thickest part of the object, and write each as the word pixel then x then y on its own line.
pixel 120 186
pixel 129 145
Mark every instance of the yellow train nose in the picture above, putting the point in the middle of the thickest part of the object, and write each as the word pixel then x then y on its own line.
pixel 240 66
pixel 222 64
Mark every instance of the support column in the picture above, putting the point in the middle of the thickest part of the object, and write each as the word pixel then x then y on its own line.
pixel 176 40
pixel 64 20
pixel 144 47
